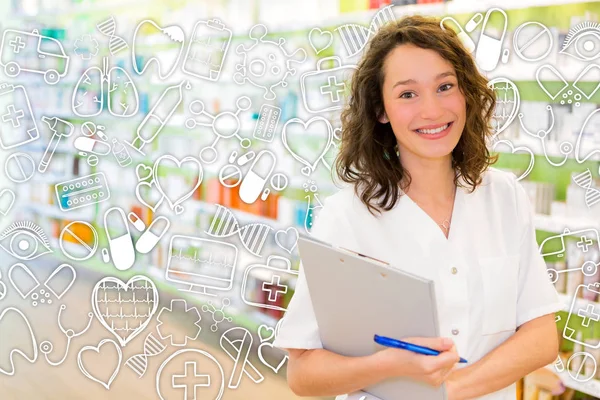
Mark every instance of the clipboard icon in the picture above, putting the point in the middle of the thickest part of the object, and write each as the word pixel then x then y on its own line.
pixel 207 49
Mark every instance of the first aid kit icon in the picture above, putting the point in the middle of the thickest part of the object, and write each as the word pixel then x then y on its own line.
pixel 324 89
pixel 271 286
pixel 583 317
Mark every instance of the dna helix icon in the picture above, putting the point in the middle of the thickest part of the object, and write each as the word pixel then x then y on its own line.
pixel 139 362
pixel 584 180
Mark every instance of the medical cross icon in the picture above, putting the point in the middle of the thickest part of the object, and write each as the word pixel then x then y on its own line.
pixel 189 386
pixel 274 288
pixel 584 244
pixel 330 88
pixel 17 44
pixel 587 315
pixel 13 116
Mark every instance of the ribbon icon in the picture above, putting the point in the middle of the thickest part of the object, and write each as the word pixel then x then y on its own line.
pixel 355 37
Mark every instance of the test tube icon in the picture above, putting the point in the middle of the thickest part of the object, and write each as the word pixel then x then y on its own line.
pixel 159 116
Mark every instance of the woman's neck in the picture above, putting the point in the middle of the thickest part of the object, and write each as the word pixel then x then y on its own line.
pixel 431 179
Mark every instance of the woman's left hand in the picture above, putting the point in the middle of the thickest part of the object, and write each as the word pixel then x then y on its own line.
pixel 451 389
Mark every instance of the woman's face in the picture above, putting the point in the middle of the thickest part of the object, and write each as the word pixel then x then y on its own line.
pixel 423 103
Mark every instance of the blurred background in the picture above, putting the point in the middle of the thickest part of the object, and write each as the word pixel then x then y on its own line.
pixel 128 89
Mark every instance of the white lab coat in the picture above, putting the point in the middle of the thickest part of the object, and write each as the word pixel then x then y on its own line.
pixel 489 275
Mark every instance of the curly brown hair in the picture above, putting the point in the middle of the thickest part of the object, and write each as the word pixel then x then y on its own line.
pixel 368 155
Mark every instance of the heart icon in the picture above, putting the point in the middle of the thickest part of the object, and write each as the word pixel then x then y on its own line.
pixel 150 198
pixel 178 209
pixel 143 172
pixel 319 40
pixel 294 134
pixel 175 194
pixel 110 346
pixel 279 364
pixel 120 306
pixel 265 333
pixel 517 149
pixel 287 239
pixel 7 199
pixel 507 109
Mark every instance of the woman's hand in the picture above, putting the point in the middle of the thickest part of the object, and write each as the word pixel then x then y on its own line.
pixel 432 370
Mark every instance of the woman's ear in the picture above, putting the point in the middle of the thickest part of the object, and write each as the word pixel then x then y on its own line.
pixel 383 118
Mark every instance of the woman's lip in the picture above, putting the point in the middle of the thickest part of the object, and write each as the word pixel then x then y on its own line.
pixel 433 126
pixel 436 135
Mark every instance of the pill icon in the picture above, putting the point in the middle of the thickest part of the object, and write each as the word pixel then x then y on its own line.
pixel 253 183
pixel 152 236
pixel 246 158
pixel 473 22
pixel 19 167
pixel 91 145
pixel 136 221
pixel 120 243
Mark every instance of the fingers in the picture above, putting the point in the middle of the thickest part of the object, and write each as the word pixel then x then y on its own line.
pixel 436 343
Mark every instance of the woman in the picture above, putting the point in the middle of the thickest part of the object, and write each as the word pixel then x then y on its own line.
pixel 422 196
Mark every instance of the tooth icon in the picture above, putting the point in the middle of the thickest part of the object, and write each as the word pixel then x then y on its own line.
pixel 166 64
pixel 13 323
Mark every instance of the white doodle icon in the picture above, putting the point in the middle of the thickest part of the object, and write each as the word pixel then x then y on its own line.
pixel 2 288
pixel 190 374
pixel 266 334
pixel 121 96
pixel 192 318
pixel 17 122
pixel 534 34
pixel 139 362
pixel 508 101
pixel 583 37
pixel 268 73
pixel 584 180
pixel 582 358
pixel 225 125
pixel 19 167
pixel 16 50
pixel 203 266
pixel 287 239
pixel 158 117
pixel 81 235
pixel 168 61
pixel 60 129
pixel 489 48
pixel 108 28
pixel 319 39
pixel 86 47
pixel 25 240
pixel 120 243
pixel 267 122
pixel 25 283
pixel 218 314
pixel 207 50
pixel 272 290
pixel 253 235
pixel 46 347
pixel 329 85
pixel 110 345
pixel 21 328
pixel 460 33
pixel 82 192
pixel 293 133
pixel 584 137
pixel 513 150
pixel 586 239
pixel 125 309
pixel 173 194
pixel 589 73
pixel 313 205
pixel 7 200
pixel 238 350
pixel 355 37
pixel 256 178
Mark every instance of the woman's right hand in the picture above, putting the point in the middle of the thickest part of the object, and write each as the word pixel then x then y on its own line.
pixel 432 370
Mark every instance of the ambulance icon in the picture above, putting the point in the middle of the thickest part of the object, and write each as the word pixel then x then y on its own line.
pixel 32 52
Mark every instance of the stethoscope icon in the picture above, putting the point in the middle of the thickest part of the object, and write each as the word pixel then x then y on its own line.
pixel 46 347
pixel 565 147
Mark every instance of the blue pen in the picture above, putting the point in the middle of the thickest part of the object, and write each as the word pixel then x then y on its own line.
pixel 398 344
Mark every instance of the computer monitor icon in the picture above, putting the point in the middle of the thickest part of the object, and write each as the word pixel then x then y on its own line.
pixel 202 265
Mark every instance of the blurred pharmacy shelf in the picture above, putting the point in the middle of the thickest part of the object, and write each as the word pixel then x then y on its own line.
pixel 591 387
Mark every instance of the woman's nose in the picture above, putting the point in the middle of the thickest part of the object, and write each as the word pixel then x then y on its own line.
pixel 431 108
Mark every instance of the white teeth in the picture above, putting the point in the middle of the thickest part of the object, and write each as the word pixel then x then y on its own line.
pixel 433 131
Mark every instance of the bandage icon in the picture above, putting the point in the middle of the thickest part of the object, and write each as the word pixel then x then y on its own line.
pixel 584 180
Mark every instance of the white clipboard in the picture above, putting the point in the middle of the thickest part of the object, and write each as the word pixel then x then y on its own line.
pixel 355 297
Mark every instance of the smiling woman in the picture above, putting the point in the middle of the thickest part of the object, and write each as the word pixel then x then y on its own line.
pixel 422 196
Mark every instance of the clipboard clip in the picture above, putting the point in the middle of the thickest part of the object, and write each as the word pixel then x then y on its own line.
pixel 216 24
pixel 365 256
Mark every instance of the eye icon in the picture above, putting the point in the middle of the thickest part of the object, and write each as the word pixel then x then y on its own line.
pixel 583 41
pixel 25 241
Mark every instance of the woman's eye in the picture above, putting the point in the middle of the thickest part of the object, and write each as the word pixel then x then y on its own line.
pixel 446 86
pixel 25 241
pixel 407 95
pixel 583 41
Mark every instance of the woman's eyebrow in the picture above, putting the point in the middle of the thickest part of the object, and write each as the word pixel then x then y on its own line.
pixel 412 81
